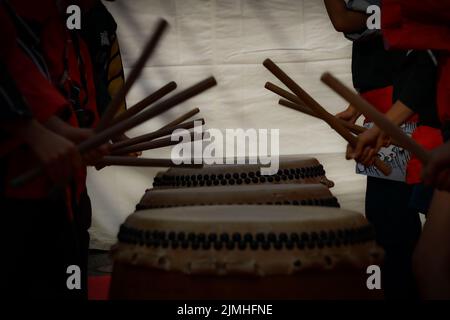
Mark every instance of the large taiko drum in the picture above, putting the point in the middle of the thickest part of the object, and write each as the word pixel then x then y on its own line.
pixel 244 252
pixel 277 194
pixel 292 170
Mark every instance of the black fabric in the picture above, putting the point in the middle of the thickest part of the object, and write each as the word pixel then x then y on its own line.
pixel 446 132
pixel 415 86
pixel 397 229
pixel 39 243
pixel 99 31
pixel 421 197
pixel 374 67
pixel 3 175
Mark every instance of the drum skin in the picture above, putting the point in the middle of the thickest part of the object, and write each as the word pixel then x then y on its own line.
pixel 292 170
pixel 244 252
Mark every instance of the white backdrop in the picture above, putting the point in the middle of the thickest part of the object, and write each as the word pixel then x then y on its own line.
pixel 230 39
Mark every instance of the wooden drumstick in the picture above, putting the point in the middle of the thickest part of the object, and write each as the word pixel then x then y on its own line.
pixel 117 100
pixel 155 96
pixel 302 107
pixel 352 127
pixel 297 107
pixel 320 111
pixel 154 135
pixel 152 112
pixel 378 118
pixel 285 94
pixel 181 119
pixel 119 128
pixel 143 162
pixel 155 144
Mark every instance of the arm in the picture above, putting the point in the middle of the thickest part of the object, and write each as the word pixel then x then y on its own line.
pixel 371 141
pixel 58 156
pixel 343 19
pixel 416 85
pixel 76 136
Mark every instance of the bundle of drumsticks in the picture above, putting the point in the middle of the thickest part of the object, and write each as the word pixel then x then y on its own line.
pixel 301 101
pixel 112 124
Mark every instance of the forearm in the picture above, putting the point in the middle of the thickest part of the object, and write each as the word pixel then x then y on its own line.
pixel 343 19
pixel 399 113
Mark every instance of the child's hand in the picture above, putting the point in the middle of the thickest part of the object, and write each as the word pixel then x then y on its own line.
pixel 77 136
pixel 368 145
pixel 59 156
pixel 91 157
pixel 350 114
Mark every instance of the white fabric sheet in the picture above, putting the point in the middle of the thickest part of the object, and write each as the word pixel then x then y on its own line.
pixel 230 39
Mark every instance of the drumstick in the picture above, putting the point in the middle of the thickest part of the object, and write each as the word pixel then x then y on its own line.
pixel 155 144
pixel 156 134
pixel 143 162
pixel 297 107
pixel 181 119
pixel 155 96
pixel 152 112
pixel 117 100
pixel 352 127
pixel 119 128
pixel 306 109
pixel 320 111
pixel 283 93
pixel 378 118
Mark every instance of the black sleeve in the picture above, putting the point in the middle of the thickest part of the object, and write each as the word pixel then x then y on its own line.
pixel 415 86
pixel 373 66
pixel 12 104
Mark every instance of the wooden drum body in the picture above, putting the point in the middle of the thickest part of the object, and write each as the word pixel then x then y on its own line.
pixel 244 252
pixel 280 194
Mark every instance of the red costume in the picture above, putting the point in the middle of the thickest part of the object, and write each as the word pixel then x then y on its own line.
pixel 42 98
pixel 56 224
pixel 422 25
pixel 63 62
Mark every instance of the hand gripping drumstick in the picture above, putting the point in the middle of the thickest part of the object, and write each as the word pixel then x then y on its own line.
pixel 320 111
pixel 143 162
pixel 154 135
pixel 116 102
pixel 379 119
pixel 302 107
pixel 119 128
pixel 152 98
pixel 352 127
